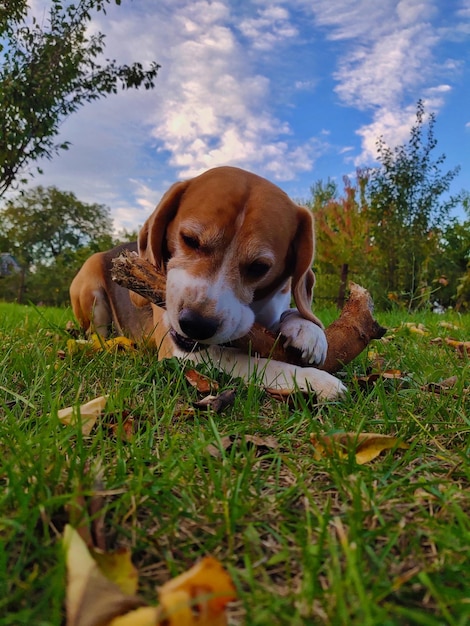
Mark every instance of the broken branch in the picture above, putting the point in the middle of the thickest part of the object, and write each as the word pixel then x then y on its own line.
pixel 347 336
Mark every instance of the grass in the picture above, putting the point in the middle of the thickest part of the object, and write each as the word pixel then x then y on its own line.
pixel 306 541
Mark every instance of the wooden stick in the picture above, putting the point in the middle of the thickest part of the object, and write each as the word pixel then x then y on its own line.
pixel 347 336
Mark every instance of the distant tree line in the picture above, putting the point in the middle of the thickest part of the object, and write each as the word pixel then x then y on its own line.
pixel 392 229
pixel 50 233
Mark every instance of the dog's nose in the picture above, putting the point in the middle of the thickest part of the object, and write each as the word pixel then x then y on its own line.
pixel 196 326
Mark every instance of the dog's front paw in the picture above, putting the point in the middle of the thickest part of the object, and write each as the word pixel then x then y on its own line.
pixel 304 336
pixel 323 384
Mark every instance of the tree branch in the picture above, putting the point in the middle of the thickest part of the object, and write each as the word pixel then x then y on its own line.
pixel 347 336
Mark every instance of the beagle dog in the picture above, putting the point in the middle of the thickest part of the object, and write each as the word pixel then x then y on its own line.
pixel 235 250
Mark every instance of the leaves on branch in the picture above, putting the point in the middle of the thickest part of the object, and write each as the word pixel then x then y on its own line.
pixel 49 69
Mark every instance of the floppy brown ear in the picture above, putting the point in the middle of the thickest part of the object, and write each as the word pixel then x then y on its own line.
pixel 152 235
pixel 303 278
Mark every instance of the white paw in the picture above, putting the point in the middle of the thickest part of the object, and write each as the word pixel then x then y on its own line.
pixel 324 385
pixel 304 336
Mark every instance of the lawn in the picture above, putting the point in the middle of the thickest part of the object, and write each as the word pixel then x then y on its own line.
pixel 307 539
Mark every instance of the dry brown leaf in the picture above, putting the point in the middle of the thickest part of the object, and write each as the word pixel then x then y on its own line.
pixel 217 403
pixel 91 599
pixel 225 443
pixel 202 383
pixel 443 387
pixel 462 347
pixel 85 414
pixel 369 380
pixel 253 441
pixel 365 446
pixel 262 442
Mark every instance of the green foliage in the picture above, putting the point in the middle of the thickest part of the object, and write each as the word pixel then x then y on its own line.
pixel 344 247
pixel 50 233
pixel 409 205
pixel 49 69
pixel 392 231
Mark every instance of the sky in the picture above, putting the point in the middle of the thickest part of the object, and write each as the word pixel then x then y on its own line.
pixel 297 91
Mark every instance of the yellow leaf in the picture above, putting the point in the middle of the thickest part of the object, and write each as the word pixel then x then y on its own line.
pixel 91 599
pixel 87 414
pixel 365 446
pixel 119 343
pixel 199 596
pixel 144 616
pixel 74 346
pixel 118 567
pixel 418 330
pixel 449 326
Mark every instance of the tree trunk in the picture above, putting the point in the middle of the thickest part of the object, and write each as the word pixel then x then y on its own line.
pixel 342 286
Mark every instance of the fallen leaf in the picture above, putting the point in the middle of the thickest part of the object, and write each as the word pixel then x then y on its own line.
pixel 413 327
pixel 443 387
pixel 252 441
pixel 91 599
pixel 120 343
pixel 86 414
pixel 449 326
pixel 225 443
pixel 202 383
pixel 370 379
pixel 74 346
pixel 197 597
pixel 97 343
pixel 365 446
pixel 217 403
pixel 117 566
pixel 268 442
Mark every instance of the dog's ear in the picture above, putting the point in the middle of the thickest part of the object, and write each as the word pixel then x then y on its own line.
pixel 152 235
pixel 303 278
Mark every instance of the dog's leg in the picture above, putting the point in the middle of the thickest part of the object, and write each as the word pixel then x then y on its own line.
pixel 270 373
pixel 305 336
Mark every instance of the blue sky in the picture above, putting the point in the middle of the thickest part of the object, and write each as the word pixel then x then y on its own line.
pixel 295 90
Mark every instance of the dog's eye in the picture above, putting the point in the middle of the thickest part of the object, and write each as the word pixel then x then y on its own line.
pixel 190 241
pixel 257 269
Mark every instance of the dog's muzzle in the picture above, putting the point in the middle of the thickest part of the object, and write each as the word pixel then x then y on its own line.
pixel 197 326
pixel 185 343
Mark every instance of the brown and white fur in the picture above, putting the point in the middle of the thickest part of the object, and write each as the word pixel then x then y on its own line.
pixel 235 250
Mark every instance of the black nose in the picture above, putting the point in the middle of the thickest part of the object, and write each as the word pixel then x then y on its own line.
pixel 196 326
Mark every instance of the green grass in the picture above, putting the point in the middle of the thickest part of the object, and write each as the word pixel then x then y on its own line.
pixel 306 541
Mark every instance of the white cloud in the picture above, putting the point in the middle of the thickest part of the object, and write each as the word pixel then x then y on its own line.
pixel 389 63
pixel 270 27
pixel 215 110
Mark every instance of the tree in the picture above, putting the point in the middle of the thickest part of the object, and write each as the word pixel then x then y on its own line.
pixel 50 233
pixel 409 205
pixel 342 230
pixel 48 70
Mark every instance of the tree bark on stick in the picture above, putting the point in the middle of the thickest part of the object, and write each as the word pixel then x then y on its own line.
pixel 347 336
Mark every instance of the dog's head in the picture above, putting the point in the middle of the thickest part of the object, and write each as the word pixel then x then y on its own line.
pixel 227 239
